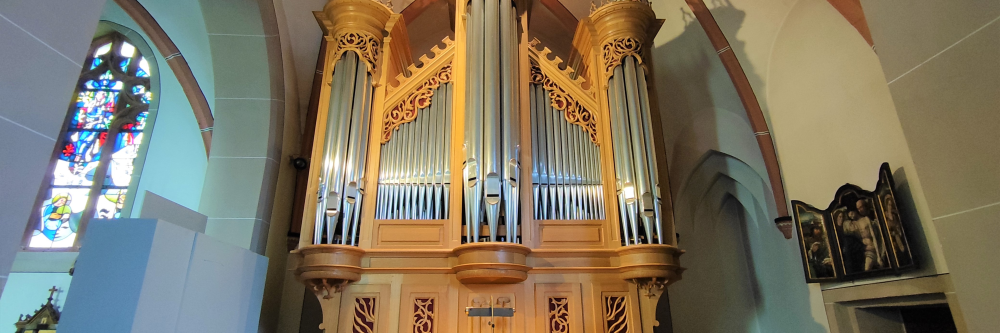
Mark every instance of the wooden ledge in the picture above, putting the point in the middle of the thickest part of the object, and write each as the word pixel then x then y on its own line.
pixel 491 262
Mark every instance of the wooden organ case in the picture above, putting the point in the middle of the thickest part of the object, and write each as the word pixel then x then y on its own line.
pixel 487 189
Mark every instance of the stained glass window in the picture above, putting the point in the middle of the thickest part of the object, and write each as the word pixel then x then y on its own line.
pixel 94 160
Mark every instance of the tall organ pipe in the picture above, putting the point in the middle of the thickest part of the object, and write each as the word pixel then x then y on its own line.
pixel 635 162
pixel 491 146
pixel 345 148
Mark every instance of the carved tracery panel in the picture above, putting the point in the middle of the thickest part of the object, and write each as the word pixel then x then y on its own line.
pixel 617 49
pixel 558 315
pixel 406 110
pixel 423 315
pixel 366 45
pixel 365 315
pixel 616 314
pixel 574 112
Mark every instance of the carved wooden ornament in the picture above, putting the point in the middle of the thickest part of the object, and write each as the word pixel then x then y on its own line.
pixel 562 101
pixel 406 110
pixel 617 49
pixel 366 45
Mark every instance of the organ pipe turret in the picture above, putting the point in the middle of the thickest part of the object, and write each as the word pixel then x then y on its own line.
pixel 623 33
pixel 492 138
pixel 342 150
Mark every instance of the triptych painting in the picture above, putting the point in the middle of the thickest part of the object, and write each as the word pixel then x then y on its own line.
pixel 860 234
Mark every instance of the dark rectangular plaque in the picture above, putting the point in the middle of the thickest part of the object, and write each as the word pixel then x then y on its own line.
pixel 479 312
pixel 503 312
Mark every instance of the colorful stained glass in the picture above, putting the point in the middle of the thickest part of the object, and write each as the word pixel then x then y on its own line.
pixel 94 110
pixel 126 150
pixel 127 50
pixel 59 218
pixel 124 64
pixel 83 146
pixel 102 50
pixel 110 203
pixel 73 177
pixel 73 173
pixel 140 120
pixel 143 70
pixel 105 83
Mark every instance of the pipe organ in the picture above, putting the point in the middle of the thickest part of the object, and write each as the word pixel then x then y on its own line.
pixel 566 169
pixel 341 183
pixel 486 186
pixel 414 173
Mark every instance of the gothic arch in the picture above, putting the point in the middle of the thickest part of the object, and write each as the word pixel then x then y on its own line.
pixel 175 60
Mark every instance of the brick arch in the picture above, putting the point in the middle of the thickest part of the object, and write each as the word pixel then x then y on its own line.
pixel 747 97
pixel 175 60
pixel 852 11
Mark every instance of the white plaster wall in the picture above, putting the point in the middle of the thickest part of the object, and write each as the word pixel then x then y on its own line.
pixel 833 120
pixel 743 276
pixel 140 275
pixel 940 60
pixel 43 45
pixel 184 22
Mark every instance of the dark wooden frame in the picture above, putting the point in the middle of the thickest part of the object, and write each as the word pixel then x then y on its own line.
pixel 882 203
pixel 798 208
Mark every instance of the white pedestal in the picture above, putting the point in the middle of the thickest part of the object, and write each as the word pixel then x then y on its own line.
pixel 142 275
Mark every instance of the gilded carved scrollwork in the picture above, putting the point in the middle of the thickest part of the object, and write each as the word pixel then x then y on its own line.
pixel 616 314
pixel 365 44
pixel 406 110
pixel 558 315
pixel 423 315
pixel 617 49
pixel 573 111
pixel 364 315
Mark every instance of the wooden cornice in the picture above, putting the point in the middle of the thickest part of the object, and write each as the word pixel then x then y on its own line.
pixel 574 87
pixel 428 67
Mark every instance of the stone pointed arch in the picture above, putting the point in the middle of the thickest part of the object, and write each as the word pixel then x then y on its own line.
pixel 177 63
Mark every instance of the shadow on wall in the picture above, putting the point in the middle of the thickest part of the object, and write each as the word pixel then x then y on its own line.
pixel 916 235
pixel 742 276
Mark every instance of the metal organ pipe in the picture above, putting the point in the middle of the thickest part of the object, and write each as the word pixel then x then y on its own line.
pixel 412 179
pixel 647 127
pixel 491 146
pixel 566 172
pixel 344 150
pixel 635 162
